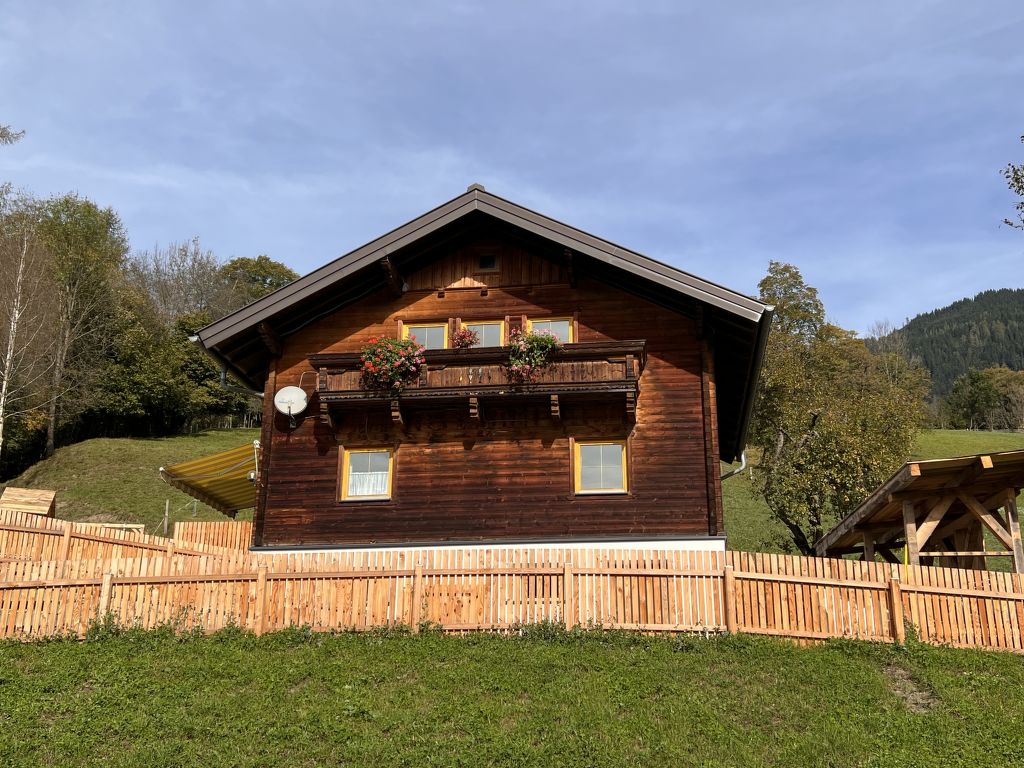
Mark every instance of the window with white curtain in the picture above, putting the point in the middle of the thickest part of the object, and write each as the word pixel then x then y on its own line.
pixel 367 474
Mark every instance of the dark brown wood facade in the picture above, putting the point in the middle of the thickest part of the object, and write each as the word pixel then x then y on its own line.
pixel 476 460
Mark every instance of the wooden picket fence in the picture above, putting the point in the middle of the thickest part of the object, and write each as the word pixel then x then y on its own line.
pixel 73 578
pixel 232 534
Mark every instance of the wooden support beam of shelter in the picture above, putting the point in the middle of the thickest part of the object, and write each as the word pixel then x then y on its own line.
pixel 941 509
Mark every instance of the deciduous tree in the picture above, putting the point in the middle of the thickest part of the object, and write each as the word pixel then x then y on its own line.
pixel 23 305
pixel 833 419
pixel 87 246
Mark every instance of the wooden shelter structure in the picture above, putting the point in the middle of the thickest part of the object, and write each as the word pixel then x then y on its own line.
pixel 939 511
pixel 33 500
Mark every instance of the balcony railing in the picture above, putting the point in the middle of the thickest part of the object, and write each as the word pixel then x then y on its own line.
pixel 611 368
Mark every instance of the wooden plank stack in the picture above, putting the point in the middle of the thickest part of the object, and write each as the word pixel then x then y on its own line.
pixel 34 501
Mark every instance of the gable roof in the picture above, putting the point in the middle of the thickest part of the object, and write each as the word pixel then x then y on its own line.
pixel 738 324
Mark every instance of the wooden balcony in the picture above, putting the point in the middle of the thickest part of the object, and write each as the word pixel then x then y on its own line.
pixel 588 370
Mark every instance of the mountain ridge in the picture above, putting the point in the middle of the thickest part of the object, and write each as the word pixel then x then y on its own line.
pixel 974 332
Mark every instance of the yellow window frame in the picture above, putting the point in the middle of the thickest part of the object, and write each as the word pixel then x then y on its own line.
pixel 570 320
pixel 406 330
pixel 578 466
pixel 346 453
pixel 499 323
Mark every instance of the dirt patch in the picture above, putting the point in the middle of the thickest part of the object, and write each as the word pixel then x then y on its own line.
pixel 916 696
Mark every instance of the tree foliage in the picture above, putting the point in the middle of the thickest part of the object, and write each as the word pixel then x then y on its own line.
pixel 24 343
pixel 94 341
pixel 184 279
pixel 87 247
pixel 8 135
pixel 833 419
pixel 248 279
pixel 1014 175
pixel 992 398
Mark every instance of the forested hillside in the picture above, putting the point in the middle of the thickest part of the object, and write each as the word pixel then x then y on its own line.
pixel 982 332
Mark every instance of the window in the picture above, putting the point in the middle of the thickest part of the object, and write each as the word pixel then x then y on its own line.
pixel 561 327
pixel 600 467
pixel 366 474
pixel 430 335
pixel 491 332
pixel 487 262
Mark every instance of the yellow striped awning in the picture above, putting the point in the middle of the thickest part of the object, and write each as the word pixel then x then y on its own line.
pixel 224 481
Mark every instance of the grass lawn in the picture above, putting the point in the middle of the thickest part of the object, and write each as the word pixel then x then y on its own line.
pixel 118 479
pixel 545 699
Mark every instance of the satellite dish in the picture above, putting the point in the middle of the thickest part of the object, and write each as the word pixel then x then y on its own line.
pixel 290 401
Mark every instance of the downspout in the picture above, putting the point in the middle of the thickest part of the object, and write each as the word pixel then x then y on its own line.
pixel 234 387
pixel 224 371
pixel 739 469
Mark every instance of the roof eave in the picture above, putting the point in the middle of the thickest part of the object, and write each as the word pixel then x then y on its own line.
pixel 476 199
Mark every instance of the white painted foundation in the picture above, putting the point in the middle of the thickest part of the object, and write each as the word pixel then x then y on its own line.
pixel 692 544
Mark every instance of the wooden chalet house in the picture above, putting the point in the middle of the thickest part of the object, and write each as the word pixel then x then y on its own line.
pixel 618 441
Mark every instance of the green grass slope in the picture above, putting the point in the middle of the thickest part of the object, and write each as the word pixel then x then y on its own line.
pixel 543 699
pixel 118 480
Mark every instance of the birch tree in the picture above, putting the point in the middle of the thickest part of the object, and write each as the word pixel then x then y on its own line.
pixel 22 308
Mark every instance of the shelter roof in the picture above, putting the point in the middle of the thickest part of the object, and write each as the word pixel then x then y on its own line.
pixel 984 477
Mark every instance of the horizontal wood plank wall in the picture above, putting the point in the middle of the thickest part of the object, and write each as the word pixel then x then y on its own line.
pixel 230 534
pixel 808 599
pixel 508 474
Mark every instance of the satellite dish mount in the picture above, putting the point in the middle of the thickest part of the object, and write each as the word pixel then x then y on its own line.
pixel 291 401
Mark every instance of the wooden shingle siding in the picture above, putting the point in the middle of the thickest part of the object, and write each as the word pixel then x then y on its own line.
pixel 507 475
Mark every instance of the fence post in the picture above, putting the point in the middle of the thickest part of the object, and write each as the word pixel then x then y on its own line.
pixel 65 549
pixel 568 601
pixel 167 515
pixel 108 582
pixel 417 598
pixel 261 599
pixel 65 543
pixel 729 600
pixel 899 631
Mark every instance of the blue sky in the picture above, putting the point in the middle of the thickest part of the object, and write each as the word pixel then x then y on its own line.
pixel 860 141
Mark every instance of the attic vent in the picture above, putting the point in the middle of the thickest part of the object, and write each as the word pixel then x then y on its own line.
pixel 488 262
